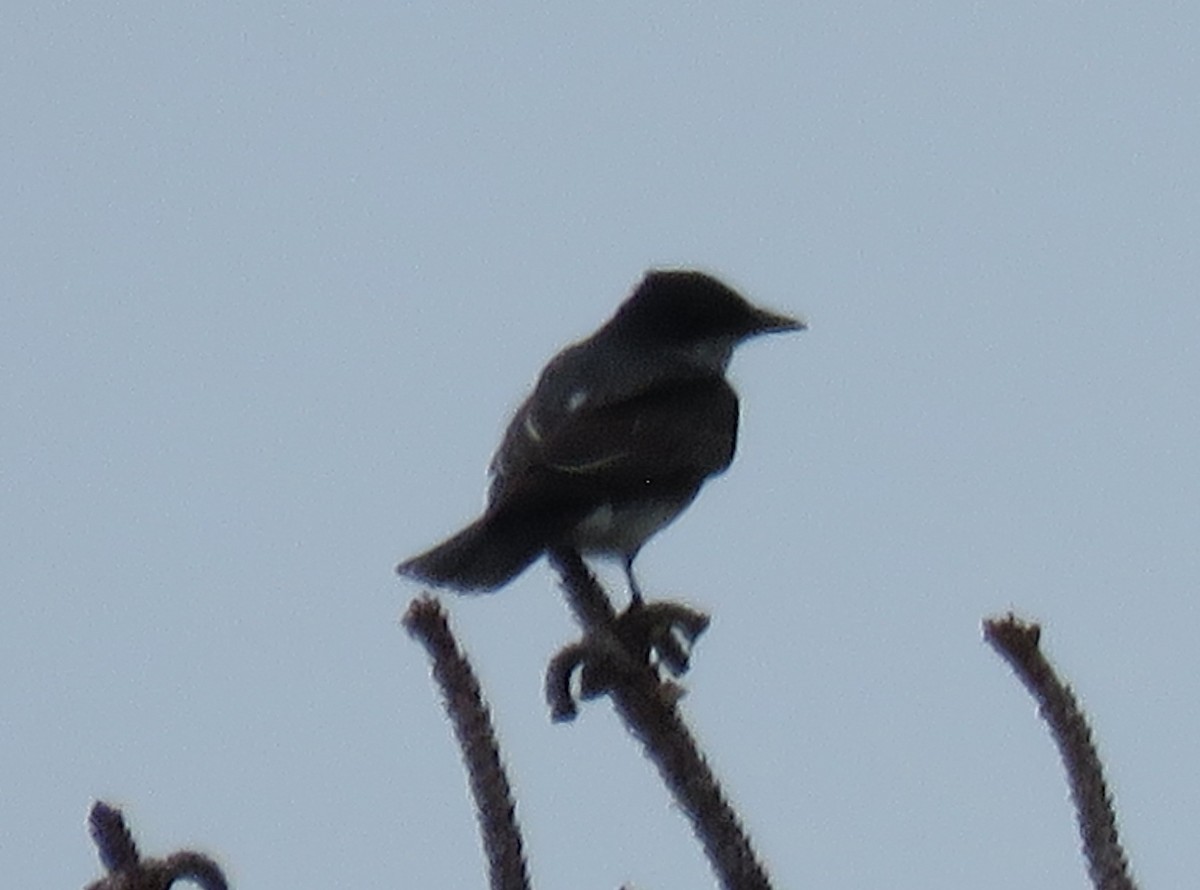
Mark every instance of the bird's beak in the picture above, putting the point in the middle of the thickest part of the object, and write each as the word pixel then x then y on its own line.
pixel 766 322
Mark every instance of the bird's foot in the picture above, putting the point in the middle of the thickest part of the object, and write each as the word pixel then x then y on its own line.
pixel 661 633
pixel 639 639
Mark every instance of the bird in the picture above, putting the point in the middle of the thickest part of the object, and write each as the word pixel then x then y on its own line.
pixel 619 434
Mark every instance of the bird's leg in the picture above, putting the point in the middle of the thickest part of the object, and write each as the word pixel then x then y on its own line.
pixel 635 591
pixel 666 629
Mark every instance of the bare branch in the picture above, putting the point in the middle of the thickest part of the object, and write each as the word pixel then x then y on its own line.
pixel 1017 641
pixel 128 871
pixel 426 621
pixel 647 705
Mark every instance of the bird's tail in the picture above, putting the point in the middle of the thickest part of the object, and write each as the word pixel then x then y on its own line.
pixel 487 554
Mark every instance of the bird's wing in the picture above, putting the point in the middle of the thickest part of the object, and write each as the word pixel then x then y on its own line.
pixel 671 435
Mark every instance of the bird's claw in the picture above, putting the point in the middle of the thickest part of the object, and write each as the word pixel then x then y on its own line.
pixel 641 638
pixel 662 632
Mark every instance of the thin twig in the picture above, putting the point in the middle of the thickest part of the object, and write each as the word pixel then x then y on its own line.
pixel 426 621
pixel 128 871
pixel 1017 641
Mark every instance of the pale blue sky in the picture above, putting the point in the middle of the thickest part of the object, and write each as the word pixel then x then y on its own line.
pixel 275 276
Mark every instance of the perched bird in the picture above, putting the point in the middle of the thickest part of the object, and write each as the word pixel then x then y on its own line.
pixel 619 434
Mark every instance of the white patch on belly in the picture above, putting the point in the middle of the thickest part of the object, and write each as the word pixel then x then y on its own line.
pixel 609 530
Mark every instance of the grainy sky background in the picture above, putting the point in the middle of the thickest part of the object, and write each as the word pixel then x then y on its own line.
pixel 274 276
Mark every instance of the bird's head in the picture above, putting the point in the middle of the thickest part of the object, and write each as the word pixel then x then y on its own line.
pixel 687 310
